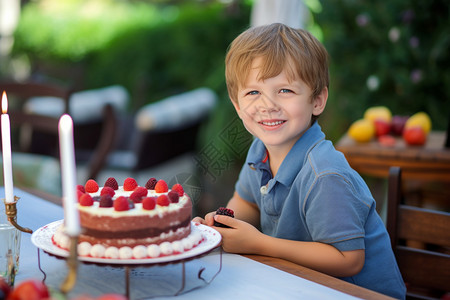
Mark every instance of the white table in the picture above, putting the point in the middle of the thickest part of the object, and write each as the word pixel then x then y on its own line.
pixel 239 278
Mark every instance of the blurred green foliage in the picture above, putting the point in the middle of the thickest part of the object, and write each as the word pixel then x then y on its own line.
pixel 393 53
pixel 152 50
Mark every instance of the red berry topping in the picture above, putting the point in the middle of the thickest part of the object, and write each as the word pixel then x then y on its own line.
pixel 121 204
pixel 107 191
pixel 112 183
pixel 106 201
pixel 81 188
pixel 161 186
pixel 91 186
pixel 139 193
pixel 79 194
pixel 150 185
pixel 173 196
pixel 226 212
pixel 178 188
pixel 149 203
pixel 86 200
pixel 129 184
pixel 163 200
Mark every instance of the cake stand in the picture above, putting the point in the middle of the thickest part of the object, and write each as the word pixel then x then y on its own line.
pixel 42 239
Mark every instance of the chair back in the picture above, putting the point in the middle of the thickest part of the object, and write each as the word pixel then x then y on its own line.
pixel 420 239
pixel 28 89
pixel 38 133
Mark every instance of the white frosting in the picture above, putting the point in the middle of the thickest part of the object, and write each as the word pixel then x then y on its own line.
pixel 95 209
pixel 187 243
pixel 125 252
pixel 153 251
pixel 112 252
pixel 177 246
pixel 166 248
pixel 98 250
pixel 138 252
pixel 84 248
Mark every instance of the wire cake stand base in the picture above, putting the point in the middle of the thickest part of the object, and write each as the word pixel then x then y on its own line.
pixel 42 239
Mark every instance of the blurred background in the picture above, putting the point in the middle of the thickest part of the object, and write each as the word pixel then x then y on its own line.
pixel 394 54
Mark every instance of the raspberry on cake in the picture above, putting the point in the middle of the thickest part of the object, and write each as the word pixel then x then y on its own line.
pixel 129 184
pixel 163 200
pixel 161 186
pixel 91 186
pixel 178 188
pixel 150 185
pixel 107 191
pixel 86 200
pixel 121 204
pixel 134 216
pixel 112 183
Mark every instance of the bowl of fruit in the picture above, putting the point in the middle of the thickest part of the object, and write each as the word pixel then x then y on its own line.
pixel 378 123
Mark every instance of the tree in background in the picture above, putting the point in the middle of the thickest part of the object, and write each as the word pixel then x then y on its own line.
pixel 393 53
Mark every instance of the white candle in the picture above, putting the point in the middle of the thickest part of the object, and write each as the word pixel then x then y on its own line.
pixel 68 174
pixel 6 150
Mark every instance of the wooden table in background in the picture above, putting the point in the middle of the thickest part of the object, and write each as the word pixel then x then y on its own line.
pixel 428 162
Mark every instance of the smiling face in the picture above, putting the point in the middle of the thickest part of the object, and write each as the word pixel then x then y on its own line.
pixel 277 110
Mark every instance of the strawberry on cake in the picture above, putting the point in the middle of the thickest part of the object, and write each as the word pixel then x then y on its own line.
pixel 132 221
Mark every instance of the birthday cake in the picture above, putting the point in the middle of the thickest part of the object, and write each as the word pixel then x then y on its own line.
pixel 132 221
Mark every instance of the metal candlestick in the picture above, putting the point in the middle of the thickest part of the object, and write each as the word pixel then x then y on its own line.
pixel 72 263
pixel 11 213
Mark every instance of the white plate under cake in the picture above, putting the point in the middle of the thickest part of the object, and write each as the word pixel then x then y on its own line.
pixel 132 221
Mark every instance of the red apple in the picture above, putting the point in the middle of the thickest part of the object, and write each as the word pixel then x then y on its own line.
pixel 382 127
pixel 387 140
pixel 414 136
pixel 398 124
pixel 30 290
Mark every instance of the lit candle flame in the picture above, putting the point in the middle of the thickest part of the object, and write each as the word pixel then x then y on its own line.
pixel 4 103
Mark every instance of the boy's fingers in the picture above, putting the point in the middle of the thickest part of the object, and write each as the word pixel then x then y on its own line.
pixel 198 220
pixel 225 220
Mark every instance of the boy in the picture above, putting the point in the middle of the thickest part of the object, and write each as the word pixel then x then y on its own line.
pixel 310 206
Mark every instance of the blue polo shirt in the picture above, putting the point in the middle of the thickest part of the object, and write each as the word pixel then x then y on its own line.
pixel 316 196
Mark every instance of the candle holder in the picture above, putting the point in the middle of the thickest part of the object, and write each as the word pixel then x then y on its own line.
pixel 72 263
pixel 11 213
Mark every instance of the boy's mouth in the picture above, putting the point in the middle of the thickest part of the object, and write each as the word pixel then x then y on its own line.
pixel 272 122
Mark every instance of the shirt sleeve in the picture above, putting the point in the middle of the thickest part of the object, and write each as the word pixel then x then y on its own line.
pixel 335 214
pixel 243 185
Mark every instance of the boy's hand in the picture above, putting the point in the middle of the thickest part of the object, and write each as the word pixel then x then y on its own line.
pixel 242 237
pixel 208 220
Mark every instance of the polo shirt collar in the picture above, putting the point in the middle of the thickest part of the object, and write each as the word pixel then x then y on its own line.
pixel 293 162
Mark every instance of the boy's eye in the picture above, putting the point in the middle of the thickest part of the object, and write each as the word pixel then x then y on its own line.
pixel 285 91
pixel 253 93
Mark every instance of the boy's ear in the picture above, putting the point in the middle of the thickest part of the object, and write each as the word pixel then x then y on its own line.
pixel 320 102
pixel 236 105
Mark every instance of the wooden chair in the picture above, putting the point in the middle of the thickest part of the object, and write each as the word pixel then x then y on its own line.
pixel 28 89
pixel 425 270
pixel 38 134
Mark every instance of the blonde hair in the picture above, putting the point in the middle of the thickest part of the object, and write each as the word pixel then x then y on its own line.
pixel 295 51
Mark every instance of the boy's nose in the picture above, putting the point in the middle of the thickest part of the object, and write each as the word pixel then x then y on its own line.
pixel 267 103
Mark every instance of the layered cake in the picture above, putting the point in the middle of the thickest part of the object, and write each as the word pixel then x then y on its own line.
pixel 132 221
